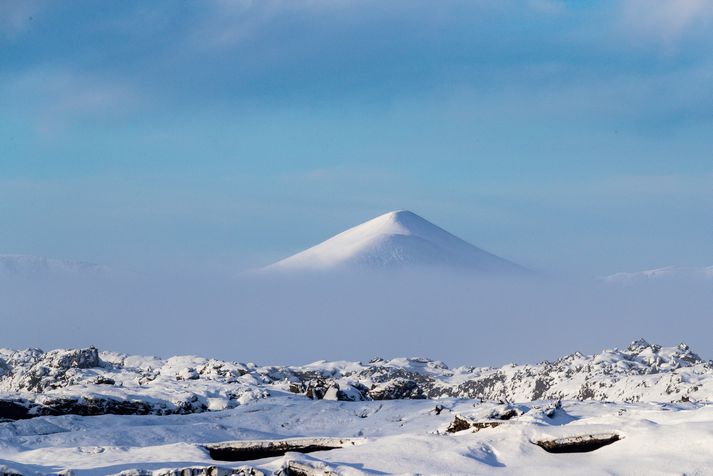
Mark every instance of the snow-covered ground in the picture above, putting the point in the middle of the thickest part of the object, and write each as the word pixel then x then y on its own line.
pixel 396 436
pixel 103 413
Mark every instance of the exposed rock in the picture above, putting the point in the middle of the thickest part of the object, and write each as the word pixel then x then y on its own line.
pixel 103 380
pixel 482 425
pixel 316 389
pixel 496 418
pixel 398 389
pixel 578 444
pixel 194 471
pixel 458 424
pixel 94 406
pixel 505 412
pixel 245 450
pixel 303 468
pixel 15 409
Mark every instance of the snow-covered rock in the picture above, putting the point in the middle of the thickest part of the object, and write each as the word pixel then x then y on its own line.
pixel 642 372
pixel 89 382
pixel 395 239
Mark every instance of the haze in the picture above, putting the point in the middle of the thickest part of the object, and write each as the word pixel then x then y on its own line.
pixel 272 320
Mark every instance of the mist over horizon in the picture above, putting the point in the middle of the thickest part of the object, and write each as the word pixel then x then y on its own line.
pixel 394 286
pixel 458 318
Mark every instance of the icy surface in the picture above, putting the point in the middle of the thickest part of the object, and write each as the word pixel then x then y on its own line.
pixel 395 239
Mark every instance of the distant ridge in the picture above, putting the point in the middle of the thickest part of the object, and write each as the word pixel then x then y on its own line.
pixel 28 266
pixel 664 273
pixel 395 239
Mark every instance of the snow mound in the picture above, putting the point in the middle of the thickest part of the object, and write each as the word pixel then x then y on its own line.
pixel 395 239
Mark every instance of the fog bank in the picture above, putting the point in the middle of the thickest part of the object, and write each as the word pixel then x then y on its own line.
pixel 293 320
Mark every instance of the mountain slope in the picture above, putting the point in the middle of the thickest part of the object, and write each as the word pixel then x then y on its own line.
pixel 395 239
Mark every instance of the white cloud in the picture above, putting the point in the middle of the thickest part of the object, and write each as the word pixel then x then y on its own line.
pixel 666 21
pixel 230 22
pixel 57 98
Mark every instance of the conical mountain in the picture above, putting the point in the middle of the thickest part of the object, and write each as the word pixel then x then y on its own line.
pixel 395 240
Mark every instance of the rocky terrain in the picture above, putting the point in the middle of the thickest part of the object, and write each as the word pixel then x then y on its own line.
pixel 90 382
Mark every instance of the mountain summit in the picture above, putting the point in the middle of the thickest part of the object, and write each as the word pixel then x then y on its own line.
pixel 393 240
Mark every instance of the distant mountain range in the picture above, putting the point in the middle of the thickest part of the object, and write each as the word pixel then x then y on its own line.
pixel 396 239
pixel 661 274
pixel 27 266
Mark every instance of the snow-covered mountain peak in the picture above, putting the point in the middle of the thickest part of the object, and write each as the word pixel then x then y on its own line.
pixel 398 222
pixel 395 239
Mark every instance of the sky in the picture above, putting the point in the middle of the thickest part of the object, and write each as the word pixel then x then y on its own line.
pixel 570 137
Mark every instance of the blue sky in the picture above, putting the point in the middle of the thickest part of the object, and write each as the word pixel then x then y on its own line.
pixel 568 136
